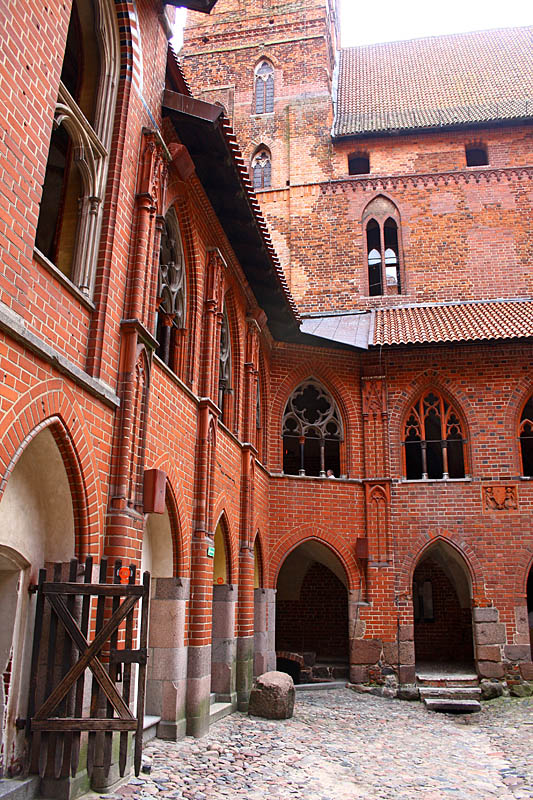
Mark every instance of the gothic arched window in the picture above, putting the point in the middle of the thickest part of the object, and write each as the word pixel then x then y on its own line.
pixel 381 227
pixel 312 432
pixel 525 434
pixel 434 444
pixel 171 294
pixel 262 169
pixel 74 183
pixel 264 88
pixel 224 371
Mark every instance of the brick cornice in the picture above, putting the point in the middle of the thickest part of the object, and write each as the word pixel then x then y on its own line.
pixel 415 180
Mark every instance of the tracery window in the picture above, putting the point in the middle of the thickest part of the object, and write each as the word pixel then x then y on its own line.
pixel 525 434
pixel 382 240
pixel 224 372
pixel 312 432
pixel 262 169
pixel 434 444
pixel 74 185
pixel 264 88
pixel 171 295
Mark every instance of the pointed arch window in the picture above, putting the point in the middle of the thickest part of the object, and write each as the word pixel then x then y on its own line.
pixel 69 220
pixel 381 223
pixel 264 88
pixel 262 169
pixel 434 442
pixel 312 432
pixel 525 434
pixel 171 295
pixel 224 371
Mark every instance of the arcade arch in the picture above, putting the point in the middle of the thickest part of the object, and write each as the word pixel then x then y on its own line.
pixel 312 619
pixel 442 607
pixel 36 527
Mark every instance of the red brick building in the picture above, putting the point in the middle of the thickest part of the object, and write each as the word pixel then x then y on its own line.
pixel 346 474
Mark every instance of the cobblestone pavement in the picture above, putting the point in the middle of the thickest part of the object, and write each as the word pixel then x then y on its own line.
pixel 341 746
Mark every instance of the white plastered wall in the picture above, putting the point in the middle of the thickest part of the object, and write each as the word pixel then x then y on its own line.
pixel 36 525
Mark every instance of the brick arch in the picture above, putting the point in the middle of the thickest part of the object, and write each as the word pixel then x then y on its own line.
pixel 258 541
pixel 422 543
pixel 525 565
pixel 221 517
pixel 515 406
pixel 330 381
pixel 181 544
pixel 52 405
pixel 430 379
pixel 298 536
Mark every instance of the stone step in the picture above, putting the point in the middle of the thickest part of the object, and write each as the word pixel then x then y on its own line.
pixel 313 687
pixel 150 724
pixel 219 711
pixel 451 706
pixel 446 680
pixel 19 788
pixel 455 692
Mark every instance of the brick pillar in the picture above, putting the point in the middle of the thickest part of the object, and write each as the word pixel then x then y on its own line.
pixel 167 663
pixel 245 632
pixel 201 595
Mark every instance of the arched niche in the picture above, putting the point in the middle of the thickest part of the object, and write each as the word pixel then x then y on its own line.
pixel 36 527
pixel 442 606
pixel 157 549
pixel 312 614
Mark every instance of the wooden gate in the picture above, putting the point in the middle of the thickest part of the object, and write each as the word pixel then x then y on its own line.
pixel 80 626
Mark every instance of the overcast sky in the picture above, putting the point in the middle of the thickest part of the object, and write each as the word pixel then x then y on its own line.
pixel 369 23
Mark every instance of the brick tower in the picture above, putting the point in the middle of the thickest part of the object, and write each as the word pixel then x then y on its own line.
pixel 271 64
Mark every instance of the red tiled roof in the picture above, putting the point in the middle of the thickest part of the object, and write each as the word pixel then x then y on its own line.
pixel 464 78
pixel 453 322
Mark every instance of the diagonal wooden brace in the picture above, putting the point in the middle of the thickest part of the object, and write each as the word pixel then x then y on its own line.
pixel 88 658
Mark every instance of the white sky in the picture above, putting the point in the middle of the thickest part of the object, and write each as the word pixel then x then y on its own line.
pixel 388 21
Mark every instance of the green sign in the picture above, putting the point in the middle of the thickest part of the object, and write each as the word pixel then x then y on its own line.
pixel 211 552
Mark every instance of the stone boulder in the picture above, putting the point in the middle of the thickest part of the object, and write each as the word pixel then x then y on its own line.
pixel 272 696
pixel 490 689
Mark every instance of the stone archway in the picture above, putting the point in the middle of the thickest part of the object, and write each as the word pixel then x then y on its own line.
pixel 36 527
pixel 312 629
pixel 167 664
pixel 442 606
pixel 223 639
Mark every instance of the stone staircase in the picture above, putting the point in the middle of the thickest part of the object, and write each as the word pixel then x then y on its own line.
pixel 218 709
pixel 454 692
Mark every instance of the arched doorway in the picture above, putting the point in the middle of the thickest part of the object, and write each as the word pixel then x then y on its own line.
pixel 312 641
pixel 36 528
pixel 223 641
pixel 442 605
pixel 167 670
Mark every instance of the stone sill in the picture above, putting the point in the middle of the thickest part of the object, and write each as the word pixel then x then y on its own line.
pixel 425 481
pixel 63 280
pixel 342 479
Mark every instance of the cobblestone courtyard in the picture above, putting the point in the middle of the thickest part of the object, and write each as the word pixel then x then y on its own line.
pixel 341 746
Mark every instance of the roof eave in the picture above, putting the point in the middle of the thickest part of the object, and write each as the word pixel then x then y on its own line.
pixel 382 132
pixel 203 128
pixel 193 5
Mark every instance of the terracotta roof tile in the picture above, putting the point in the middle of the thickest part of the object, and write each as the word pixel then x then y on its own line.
pixel 464 78
pixel 453 322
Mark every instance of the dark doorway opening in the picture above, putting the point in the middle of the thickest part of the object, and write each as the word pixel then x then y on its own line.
pixel 442 609
pixel 312 615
